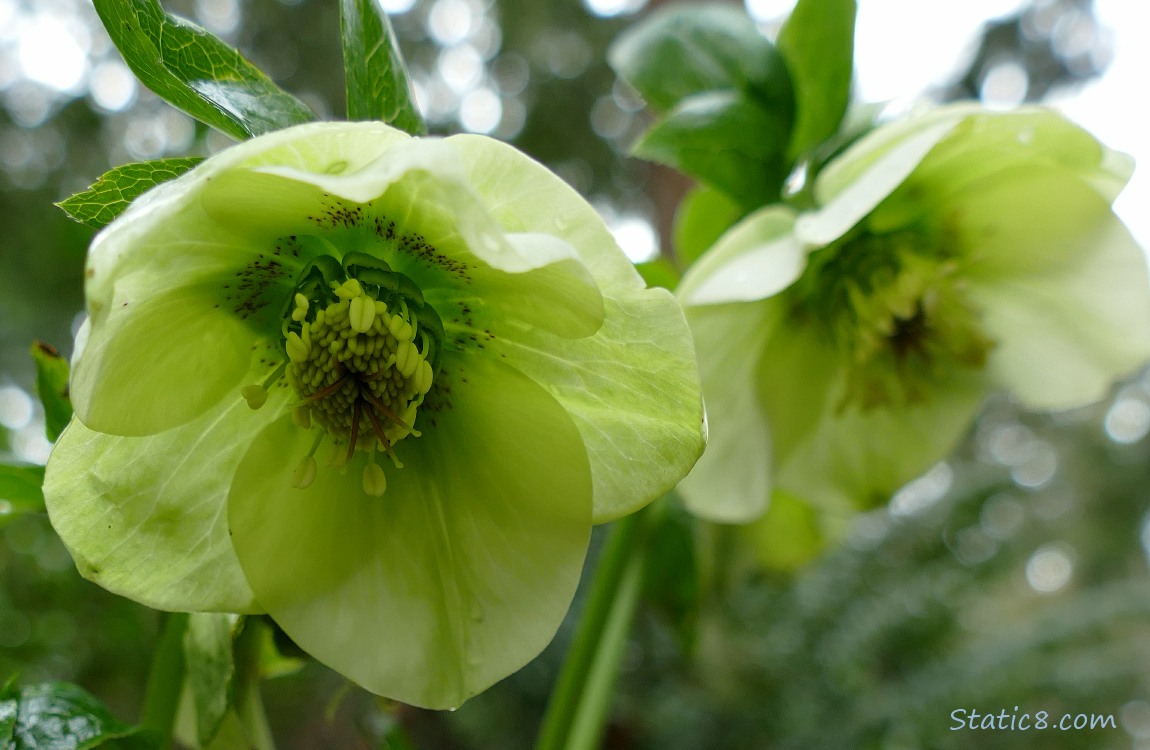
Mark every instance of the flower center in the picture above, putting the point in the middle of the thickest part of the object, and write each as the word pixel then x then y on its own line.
pixel 362 350
pixel 894 307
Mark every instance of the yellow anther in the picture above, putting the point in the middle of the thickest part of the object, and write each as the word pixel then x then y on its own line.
pixel 425 376
pixel 349 289
pixel 413 360
pixel 297 350
pixel 374 480
pixel 362 314
pixel 255 395
pixel 403 354
pixel 396 326
pixel 304 473
pixel 301 306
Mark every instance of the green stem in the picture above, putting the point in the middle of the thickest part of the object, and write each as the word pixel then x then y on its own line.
pixel 249 702
pixel 581 700
pixel 165 681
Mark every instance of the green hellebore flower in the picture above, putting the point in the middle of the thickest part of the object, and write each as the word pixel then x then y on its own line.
pixel 377 387
pixel 845 349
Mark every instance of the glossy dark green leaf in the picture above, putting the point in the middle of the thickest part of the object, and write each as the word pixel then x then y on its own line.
pixel 196 72
pixel 682 50
pixel 818 43
pixel 52 388
pixel 21 490
pixel 725 139
pixel 378 87
pixel 110 195
pixel 702 217
pixel 59 716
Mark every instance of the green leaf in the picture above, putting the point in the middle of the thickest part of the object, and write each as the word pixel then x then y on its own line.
pixel 702 217
pixel 817 42
pixel 659 272
pixel 196 72
pixel 110 195
pixel 688 49
pixel 377 84
pixel 59 716
pixel 725 139
pixel 52 388
pixel 20 490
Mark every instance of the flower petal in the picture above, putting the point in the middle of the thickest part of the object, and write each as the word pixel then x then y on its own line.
pixel 852 460
pixel 633 387
pixel 757 258
pixel 833 454
pixel 852 185
pixel 522 195
pixel 732 480
pixel 1061 284
pixel 151 362
pixel 458 575
pixel 144 516
pixel 175 299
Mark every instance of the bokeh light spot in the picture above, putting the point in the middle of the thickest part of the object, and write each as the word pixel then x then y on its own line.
pixel 1049 569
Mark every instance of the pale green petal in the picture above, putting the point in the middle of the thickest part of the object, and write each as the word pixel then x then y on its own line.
pixel 176 300
pixel 875 167
pixel 989 143
pixel 833 454
pixel 633 391
pixel 145 517
pixel 560 299
pixel 152 362
pixel 423 187
pixel 1061 284
pixel 633 387
pixel 522 195
pixel 732 480
pixel 853 460
pixel 756 258
pixel 458 575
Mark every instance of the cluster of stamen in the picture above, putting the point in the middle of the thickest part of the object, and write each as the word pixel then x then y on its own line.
pixel 895 308
pixel 361 368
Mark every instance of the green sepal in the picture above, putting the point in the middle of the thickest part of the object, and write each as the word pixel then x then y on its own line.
pixel 196 72
pixel 727 140
pixel 21 489
pixel 689 49
pixel 108 196
pixel 59 715
pixel 378 87
pixel 817 42
pixel 52 388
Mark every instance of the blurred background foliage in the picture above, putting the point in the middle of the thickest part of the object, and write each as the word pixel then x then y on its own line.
pixel 1015 574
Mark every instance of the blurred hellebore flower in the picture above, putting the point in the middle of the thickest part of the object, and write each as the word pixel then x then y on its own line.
pixel 845 349
pixel 376 387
